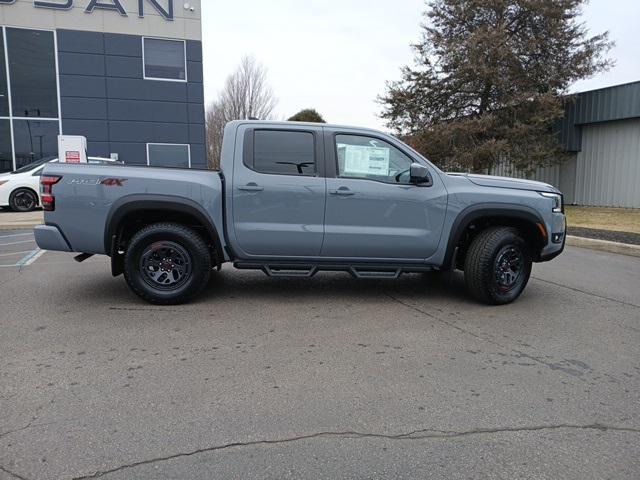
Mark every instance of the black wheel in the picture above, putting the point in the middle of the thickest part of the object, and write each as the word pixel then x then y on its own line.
pixel 167 264
pixel 23 200
pixel 497 266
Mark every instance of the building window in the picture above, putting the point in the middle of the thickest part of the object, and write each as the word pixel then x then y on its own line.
pixel 32 69
pixel 6 152
pixel 35 140
pixel 168 155
pixel 164 59
pixel 284 152
pixel 29 103
pixel 4 84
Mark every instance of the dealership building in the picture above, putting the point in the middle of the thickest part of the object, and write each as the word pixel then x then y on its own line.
pixel 126 74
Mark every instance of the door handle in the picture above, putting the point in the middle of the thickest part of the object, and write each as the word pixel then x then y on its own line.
pixel 251 187
pixel 343 191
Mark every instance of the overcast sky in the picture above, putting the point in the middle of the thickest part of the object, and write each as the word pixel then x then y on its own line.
pixel 335 55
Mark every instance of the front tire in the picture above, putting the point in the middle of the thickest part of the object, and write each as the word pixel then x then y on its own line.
pixel 167 264
pixel 23 200
pixel 497 266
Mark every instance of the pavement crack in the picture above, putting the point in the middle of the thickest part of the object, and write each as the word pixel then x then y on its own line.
pixel 444 322
pixel 12 474
pixel 591 294
pixel 422 434
pixel 29 424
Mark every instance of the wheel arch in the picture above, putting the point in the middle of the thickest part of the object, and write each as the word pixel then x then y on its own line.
pixel 130 213
pixel 481 216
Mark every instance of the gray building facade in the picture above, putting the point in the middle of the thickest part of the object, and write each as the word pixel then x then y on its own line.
pixel 601 133
pixel 127 74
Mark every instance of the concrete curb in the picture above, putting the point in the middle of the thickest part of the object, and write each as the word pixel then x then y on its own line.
pixel 604 245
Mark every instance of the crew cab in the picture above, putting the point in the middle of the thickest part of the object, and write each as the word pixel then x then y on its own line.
pixel 298 198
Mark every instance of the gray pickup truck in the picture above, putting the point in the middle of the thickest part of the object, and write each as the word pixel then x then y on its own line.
pixel 292 199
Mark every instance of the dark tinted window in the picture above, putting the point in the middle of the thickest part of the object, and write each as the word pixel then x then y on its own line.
pixel 168 155
pixel 32 69
pixel 35 140
pixel 4 91
pixel 6 155
pixel 164 59
pixel 284 152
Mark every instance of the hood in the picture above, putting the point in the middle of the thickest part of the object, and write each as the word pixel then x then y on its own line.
pixel 507 182
pixel 5 176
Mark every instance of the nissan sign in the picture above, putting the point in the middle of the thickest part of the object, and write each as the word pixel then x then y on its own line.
pixel 163 7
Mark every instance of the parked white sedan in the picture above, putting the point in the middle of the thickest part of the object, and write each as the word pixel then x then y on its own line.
pixel 20 189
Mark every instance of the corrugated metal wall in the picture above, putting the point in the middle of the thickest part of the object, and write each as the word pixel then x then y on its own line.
pixel 608 167
pixel 605 173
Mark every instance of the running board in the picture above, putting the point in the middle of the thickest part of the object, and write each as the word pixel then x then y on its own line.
pixel 303 270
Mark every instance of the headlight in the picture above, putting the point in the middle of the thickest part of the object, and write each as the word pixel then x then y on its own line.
pixel 2 182
pixel 558 207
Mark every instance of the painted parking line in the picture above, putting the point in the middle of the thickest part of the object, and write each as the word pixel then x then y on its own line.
pixel 15 253
pixel 15 243
pixel 27 260
pixel 16 235
pixel 30 258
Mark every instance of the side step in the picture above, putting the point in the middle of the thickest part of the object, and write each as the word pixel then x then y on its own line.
pixel 364 271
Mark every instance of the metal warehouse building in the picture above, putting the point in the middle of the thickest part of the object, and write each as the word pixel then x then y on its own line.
pixel 127 74
pixel 601 131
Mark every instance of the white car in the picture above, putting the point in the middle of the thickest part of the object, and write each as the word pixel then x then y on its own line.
pixel 20 189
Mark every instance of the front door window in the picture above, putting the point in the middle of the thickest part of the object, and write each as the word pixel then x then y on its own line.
pixel 372 159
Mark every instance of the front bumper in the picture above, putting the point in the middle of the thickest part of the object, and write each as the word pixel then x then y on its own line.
pixel 557 238
pixel 49 237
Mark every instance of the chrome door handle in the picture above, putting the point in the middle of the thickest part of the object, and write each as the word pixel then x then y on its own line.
pixel 342 191
pixel 251 187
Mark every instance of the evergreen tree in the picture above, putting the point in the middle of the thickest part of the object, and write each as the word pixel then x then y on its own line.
pixel 489 80
pixel 307 115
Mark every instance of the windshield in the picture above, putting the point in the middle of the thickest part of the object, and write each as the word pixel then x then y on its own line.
pixel 30 166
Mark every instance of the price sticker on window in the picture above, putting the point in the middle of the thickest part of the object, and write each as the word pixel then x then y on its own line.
pixel 365 160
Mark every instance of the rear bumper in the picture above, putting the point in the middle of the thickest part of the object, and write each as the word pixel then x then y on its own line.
pixel 49 237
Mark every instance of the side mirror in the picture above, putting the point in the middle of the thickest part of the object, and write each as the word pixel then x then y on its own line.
pixel 419 174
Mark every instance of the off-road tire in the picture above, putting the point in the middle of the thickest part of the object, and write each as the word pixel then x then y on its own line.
pixel 189 242
pixel 480 268
pixel 16 205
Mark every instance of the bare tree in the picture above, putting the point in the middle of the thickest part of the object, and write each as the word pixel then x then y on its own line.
pixel 246 94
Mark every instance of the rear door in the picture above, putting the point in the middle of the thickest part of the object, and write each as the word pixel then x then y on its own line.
pixel 278 197
pixel 373 209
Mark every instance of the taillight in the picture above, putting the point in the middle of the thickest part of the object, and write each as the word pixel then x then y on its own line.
pixel 46 192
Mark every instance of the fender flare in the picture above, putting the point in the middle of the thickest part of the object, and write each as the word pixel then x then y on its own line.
pixel 486 210
pixel 139 202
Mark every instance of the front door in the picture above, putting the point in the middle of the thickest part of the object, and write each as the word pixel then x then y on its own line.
pixel 373 210
pixel 279 193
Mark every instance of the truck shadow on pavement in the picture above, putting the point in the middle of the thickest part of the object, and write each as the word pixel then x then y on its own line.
pixel 230 285
pixel 338 286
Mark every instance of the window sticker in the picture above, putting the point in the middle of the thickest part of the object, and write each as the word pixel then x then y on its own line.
pixel 364 160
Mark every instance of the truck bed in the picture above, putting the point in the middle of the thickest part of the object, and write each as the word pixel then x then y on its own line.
pixel 88 196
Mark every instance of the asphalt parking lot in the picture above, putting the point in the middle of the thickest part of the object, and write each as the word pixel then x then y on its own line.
pixel 322 378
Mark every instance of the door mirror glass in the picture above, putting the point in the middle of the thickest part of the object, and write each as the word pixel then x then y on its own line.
pixel 419 173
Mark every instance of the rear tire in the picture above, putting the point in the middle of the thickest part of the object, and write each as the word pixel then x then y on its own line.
pixel 497 266
pixel 167 264
pixel 23 200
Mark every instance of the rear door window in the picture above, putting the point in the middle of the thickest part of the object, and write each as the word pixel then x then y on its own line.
pixel 284 152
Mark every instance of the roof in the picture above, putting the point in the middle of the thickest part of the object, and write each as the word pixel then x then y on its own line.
pixel 618 102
